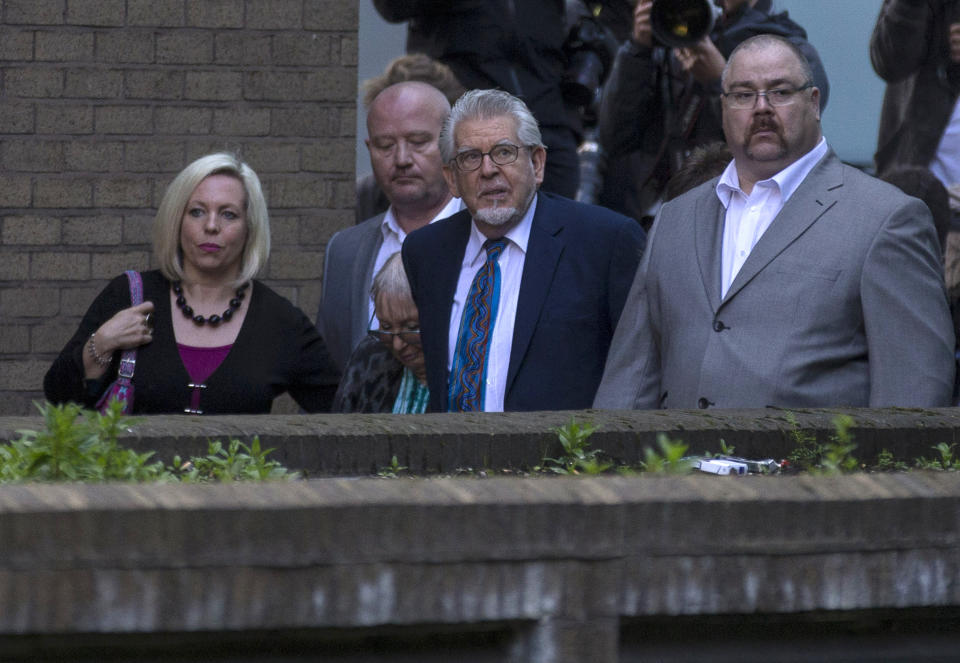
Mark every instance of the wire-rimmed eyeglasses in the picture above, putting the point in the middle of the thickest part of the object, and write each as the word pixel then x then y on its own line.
pixel 502 154
pixel 747 99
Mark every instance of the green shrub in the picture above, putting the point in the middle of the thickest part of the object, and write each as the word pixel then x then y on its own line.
pixel 81 445
pixel 578 457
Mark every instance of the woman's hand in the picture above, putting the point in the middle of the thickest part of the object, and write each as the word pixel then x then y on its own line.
pixel 129 328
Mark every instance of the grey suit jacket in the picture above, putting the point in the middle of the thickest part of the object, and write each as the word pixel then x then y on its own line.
pixel 841 302
pixel 347 275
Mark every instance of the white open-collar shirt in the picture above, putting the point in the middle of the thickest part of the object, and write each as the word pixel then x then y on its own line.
pixel 749 216
pixel 393 236
pixel 511 272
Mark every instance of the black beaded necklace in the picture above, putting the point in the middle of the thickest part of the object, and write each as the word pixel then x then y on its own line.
pixel 214 319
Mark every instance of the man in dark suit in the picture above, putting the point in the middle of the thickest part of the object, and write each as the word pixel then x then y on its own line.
pixel 791 280
pixel 403 127
pixel 558 272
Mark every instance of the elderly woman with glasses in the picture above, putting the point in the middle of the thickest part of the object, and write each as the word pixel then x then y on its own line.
pixel 386 372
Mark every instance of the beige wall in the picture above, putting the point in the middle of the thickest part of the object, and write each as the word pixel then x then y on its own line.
pixel 103 101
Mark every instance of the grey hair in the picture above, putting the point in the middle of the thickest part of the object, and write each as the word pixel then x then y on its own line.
pixel 391 280
pixel 166 225
pixel 484 105
pixel 765 40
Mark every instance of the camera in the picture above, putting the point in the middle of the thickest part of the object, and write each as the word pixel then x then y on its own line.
pixel 589 48
pixel 680 23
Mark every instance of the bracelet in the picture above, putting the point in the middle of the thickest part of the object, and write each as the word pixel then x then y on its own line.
pixel 101 360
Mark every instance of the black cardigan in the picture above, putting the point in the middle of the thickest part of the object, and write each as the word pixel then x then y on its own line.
pixel 278 349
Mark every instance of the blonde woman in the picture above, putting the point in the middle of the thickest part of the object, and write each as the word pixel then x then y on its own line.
pixel 209 337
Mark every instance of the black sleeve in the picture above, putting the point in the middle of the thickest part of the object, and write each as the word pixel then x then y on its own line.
pixel 630 100
pixel 64 380
pixel 396 11
pixel 314 381
pixel 624 261
pixel 901 38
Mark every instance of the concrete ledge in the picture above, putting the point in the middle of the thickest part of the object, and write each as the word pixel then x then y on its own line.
pixel 559 562
pixel 350 445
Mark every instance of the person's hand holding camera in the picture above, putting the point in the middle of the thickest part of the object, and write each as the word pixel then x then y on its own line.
pixel 703 60
pixel 955 42
pixel 642 32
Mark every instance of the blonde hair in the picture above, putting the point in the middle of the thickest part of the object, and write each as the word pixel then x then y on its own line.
pixel 166 225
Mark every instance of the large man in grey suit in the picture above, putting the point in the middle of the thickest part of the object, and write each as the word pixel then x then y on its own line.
pixel 793 280
pixel 403 127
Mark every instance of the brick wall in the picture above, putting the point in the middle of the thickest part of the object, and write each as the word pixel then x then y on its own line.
pixel 796 569
pixel 102 102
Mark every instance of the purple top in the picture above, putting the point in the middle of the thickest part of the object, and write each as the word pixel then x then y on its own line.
pixel 202 362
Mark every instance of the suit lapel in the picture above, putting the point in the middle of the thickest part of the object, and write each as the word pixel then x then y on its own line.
pixel 708 215
pixel 815 195
pixel 362 279
pixel 455 232
pixel 540 263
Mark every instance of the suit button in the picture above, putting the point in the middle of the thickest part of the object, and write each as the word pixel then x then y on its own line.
pixel 718 326
pixel 703 404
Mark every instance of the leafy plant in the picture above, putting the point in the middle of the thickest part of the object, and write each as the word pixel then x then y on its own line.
pixel 76 445
pixel 807 451
pixel 837 455
pixel 946 461
pixel 392 470
pixel 81 445
pixel 725 450
pixel 670 459
pixel 578 457
pixel 236 462
pixel 886 463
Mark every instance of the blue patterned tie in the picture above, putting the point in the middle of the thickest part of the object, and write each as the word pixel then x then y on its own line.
pixel 469 371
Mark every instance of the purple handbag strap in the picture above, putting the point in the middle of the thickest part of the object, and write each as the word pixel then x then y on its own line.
pixel 128 360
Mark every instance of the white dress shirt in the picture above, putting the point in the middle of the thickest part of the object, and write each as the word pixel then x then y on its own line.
pixel 511 272
pixel 749 216
pixel 393 236
pixel 946 161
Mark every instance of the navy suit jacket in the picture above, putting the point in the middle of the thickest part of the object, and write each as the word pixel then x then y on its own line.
pixel 580 262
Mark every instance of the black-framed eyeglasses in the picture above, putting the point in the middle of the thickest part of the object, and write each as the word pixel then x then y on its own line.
pixel 502 154
pixel 408 336
pixel 747 99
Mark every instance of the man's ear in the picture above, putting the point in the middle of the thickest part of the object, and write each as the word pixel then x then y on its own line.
pixel 539 157
pixel 451 179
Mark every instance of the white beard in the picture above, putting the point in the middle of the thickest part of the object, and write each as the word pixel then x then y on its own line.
pixel 496 216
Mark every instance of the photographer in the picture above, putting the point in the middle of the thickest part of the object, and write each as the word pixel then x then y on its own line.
pixel 513 45
pixel 660 102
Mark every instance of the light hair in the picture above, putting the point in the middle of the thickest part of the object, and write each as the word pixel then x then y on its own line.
pixel 485 105
pixel 764 41
pixel 391 281
pixel 413 67
pixel 169 218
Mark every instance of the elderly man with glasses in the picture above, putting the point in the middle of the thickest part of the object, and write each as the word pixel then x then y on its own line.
pixel 518 294
pixel 791 280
